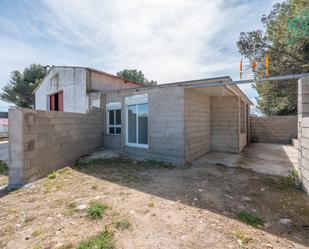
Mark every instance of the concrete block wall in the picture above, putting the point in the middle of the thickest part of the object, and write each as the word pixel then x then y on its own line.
pixel 303 166
pixel 197 124
pixel 225 124
pixel 42 141
pixel 273 129
pixel 303 132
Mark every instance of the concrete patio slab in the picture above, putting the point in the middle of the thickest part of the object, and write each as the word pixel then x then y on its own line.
pixel 270 159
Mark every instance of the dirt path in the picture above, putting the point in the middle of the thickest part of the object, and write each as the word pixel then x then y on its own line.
pixel 194 207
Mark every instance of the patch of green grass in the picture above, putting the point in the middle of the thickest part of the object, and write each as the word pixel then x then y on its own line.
pixel 96 210
pixel 159 163
pixel 53 175
pixel 123 224
pixel 37 247
pixel 241 237
pixel 104 240
pixel 3 168
pixel 36 233
pixel 291 182
pixel 250 219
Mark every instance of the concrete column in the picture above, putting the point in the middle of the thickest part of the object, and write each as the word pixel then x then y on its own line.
pixel 16 154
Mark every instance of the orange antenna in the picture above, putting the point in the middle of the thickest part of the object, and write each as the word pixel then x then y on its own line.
pixel 240 69
pixel 253 65
pixel 267 64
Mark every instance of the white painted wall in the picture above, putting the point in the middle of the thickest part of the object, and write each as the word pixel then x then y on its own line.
pixel 72 81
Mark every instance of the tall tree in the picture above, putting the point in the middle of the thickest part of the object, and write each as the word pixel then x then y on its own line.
pixel 21 85
pixel 135 75
pixel 285 37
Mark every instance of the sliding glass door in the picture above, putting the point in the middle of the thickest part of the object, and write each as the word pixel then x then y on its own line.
pixel 137 126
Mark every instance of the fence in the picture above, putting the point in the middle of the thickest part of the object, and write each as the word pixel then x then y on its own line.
pixel 42 141
pixel 273 129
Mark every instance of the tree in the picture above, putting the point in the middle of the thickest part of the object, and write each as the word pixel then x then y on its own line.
pixel 288 46
pixel 135 75
pixel 21 85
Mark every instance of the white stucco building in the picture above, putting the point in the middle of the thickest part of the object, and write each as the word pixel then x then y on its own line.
pixel 76 89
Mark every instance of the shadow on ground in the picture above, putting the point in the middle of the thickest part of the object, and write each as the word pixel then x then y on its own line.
pixel 223 190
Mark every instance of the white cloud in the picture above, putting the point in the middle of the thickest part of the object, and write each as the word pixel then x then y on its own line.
pixel 170 40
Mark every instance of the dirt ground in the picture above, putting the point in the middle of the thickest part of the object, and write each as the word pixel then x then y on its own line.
pixel 193 207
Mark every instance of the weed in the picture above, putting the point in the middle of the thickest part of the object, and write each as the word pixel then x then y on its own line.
pixel 96 210
pixel 68 246
pixel 65 170
pixel 4 182
pixel 241 237
pixel 36 233
pixel 123 224
pixel 94 187
pixel 159 163
pixel 291 182
pixel 53 175
pixel 151 203
pixel 37 247
pixel 3 168
pixel 104 240
pixel 250 219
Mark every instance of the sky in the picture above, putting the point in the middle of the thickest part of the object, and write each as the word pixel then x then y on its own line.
pixel 169 40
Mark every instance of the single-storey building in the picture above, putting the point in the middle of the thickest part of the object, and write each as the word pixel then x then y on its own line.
pixel 178 122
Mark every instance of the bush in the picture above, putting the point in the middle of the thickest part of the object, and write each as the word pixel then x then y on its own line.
pixel 96 210
pixel 123 224
pixel 3 168
pixel 102 241
pixel 250 219
pixel 52 175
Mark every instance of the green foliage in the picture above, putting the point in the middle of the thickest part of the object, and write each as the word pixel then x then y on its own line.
pixel 104 240
pixel 123 224
pixel 3 168
pixel 241 237
pixel 277 97
pixel 52 175
pixel 21 85
pixel 250 219
pixel 135 75
pixel 159 163
pixel 36 233
pixel 96 210
pixel 291 182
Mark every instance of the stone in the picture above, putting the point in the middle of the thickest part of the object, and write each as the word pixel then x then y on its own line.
pixel 246 198
pixel 285 221
pixel 80 207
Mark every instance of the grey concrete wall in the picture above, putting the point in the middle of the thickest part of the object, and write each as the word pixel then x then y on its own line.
pixel 273 129
pixel 303 132
pixel 42 141
pixel 225 124
pixel 105 82
pixel 166 124
pixel 197 124
pixel 72 81
pixel 304 153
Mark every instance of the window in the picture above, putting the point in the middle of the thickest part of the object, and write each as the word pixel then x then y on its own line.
pixel 137 121
pixel 114 122
pixel 56 102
